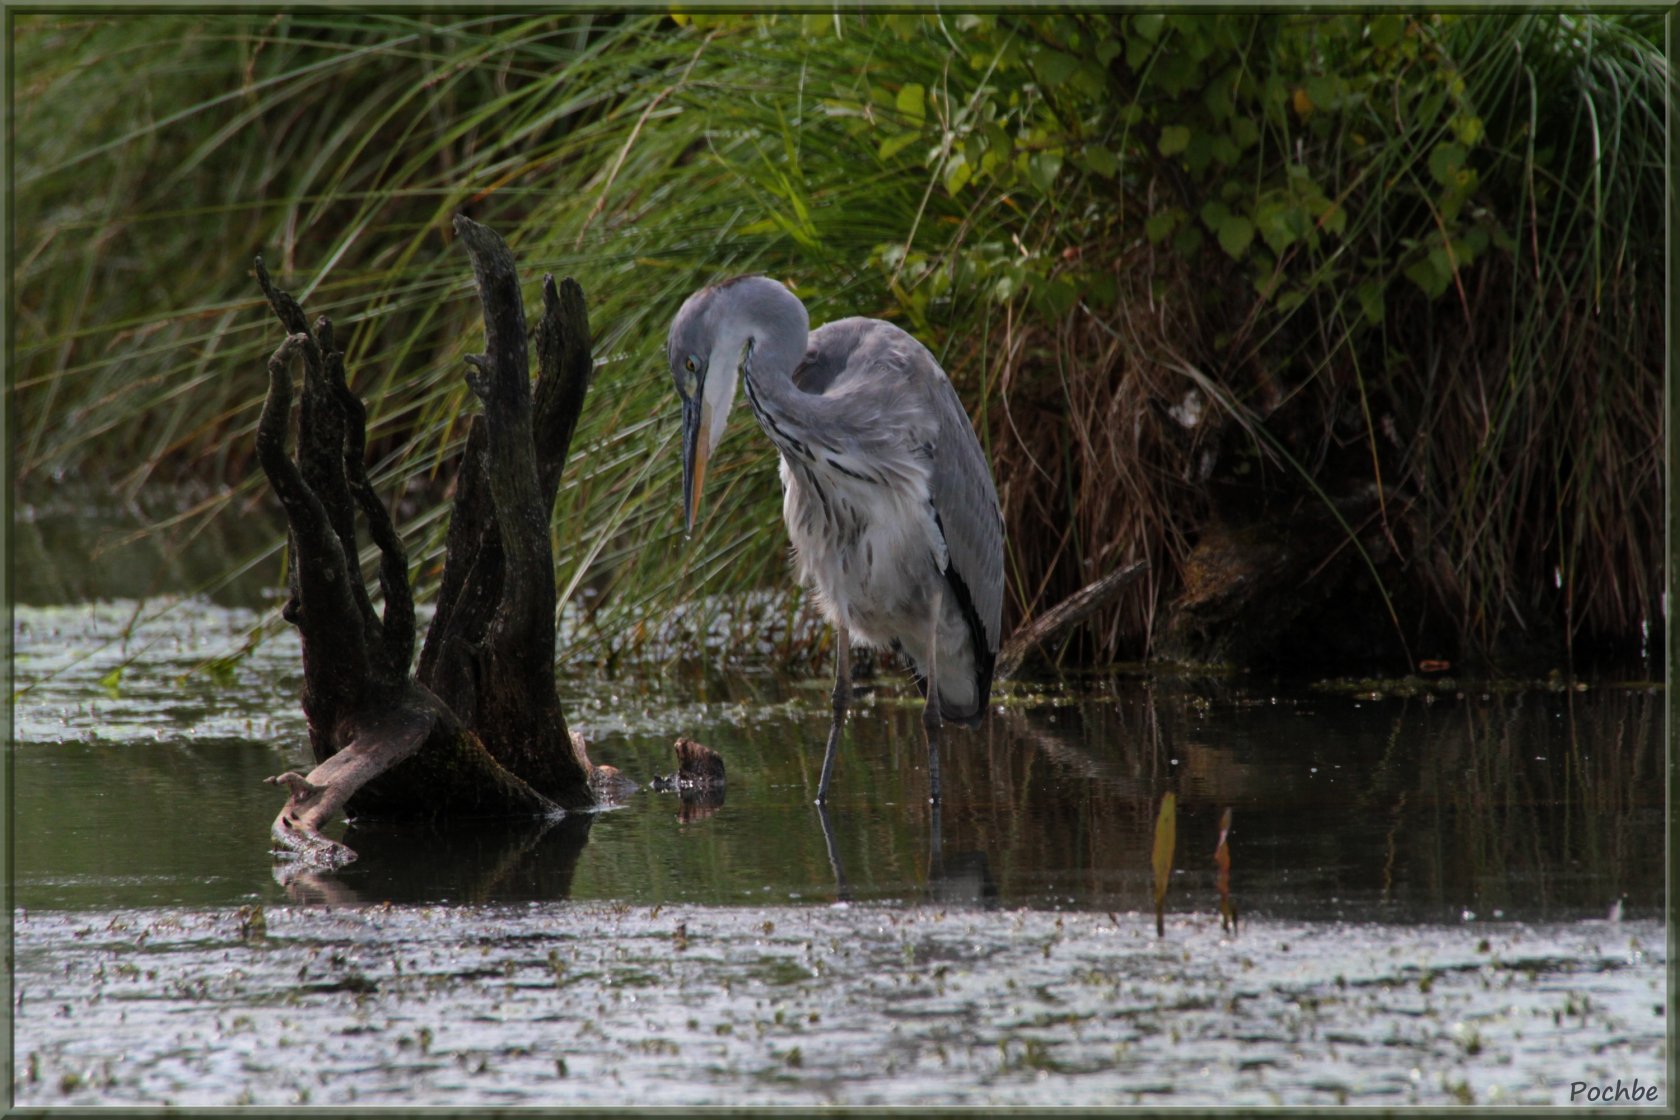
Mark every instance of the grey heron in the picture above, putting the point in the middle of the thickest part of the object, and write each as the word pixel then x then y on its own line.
pixel 887 496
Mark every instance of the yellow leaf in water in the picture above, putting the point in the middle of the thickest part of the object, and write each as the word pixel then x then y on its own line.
pixel 1166 835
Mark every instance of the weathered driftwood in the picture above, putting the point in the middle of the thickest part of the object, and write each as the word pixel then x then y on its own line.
pixel 479 731
pixel 489 653
pixel 1064 616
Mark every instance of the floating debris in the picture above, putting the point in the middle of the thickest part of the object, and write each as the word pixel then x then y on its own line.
pixel 1222 861
pixel 699 780
pixel 699 767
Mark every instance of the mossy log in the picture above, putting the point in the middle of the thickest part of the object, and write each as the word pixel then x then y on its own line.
pixel 478 730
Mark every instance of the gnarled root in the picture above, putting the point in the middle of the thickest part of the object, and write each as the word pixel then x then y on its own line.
pixel 381 740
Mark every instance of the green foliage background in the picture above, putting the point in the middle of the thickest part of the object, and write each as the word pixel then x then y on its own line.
pixel 1185 270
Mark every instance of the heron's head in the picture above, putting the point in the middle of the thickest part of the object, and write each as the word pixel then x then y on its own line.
pixel 710 338
pixel 705 374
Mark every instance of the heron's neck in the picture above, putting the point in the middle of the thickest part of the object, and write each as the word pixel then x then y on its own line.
pixel 777 330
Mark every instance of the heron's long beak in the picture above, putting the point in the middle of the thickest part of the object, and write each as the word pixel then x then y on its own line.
pixel 697 426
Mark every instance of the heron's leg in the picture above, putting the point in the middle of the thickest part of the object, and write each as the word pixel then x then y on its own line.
pixel 842 891
pixel 936 846
pixel 930 709
pixel 842 697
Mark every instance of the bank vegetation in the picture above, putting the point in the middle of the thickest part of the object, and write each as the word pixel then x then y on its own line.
pixel 1352 326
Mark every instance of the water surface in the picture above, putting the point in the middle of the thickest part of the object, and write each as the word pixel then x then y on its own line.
pixel 1535 803
pixel 1449 891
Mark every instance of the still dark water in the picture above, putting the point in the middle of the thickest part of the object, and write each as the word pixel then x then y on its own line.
pixel 1534 804
pixel 141 742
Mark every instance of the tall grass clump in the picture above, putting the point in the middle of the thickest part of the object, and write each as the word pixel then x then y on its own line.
pixel 1188 272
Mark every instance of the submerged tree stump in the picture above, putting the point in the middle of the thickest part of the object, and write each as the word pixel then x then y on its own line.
pixel 478 730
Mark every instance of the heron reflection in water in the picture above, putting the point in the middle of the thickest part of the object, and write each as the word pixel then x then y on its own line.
pixel 887 497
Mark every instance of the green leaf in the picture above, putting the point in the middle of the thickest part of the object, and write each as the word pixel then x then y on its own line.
pixel 1445 259
pixel 1007 285
pixel 1456 194
pixel 1138 50
pixel 1425 275
pixel 1043 168
pixel 1325 92
pixel 1199 153
pixel 1101 161
pixel 1176 72
pixel 1386 30
pixel 1148 25
pixel 1235 235
pixel 1279 224
pixel 892 145
pixel 1371 301
pixel 1159 226
pixel 911 101
pixel 1057 296
pixel 1217 98
pixel 1193 37
pixel 1054 67
pixel 1174 139
pixel 905 26
pixel 957 174
pixel 1445 162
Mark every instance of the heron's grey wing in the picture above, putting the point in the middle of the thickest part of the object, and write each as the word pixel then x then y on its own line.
pixel 965 498
pixel 891 403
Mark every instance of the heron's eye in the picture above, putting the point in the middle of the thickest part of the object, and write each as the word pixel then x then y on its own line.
pixel 690 364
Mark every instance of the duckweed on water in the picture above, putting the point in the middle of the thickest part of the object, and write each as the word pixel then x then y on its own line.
pixel 460 1006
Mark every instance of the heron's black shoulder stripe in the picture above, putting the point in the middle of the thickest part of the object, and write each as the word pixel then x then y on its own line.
pixel 809 478
pixel 985 657
pixel 835 463
pixel 774 430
